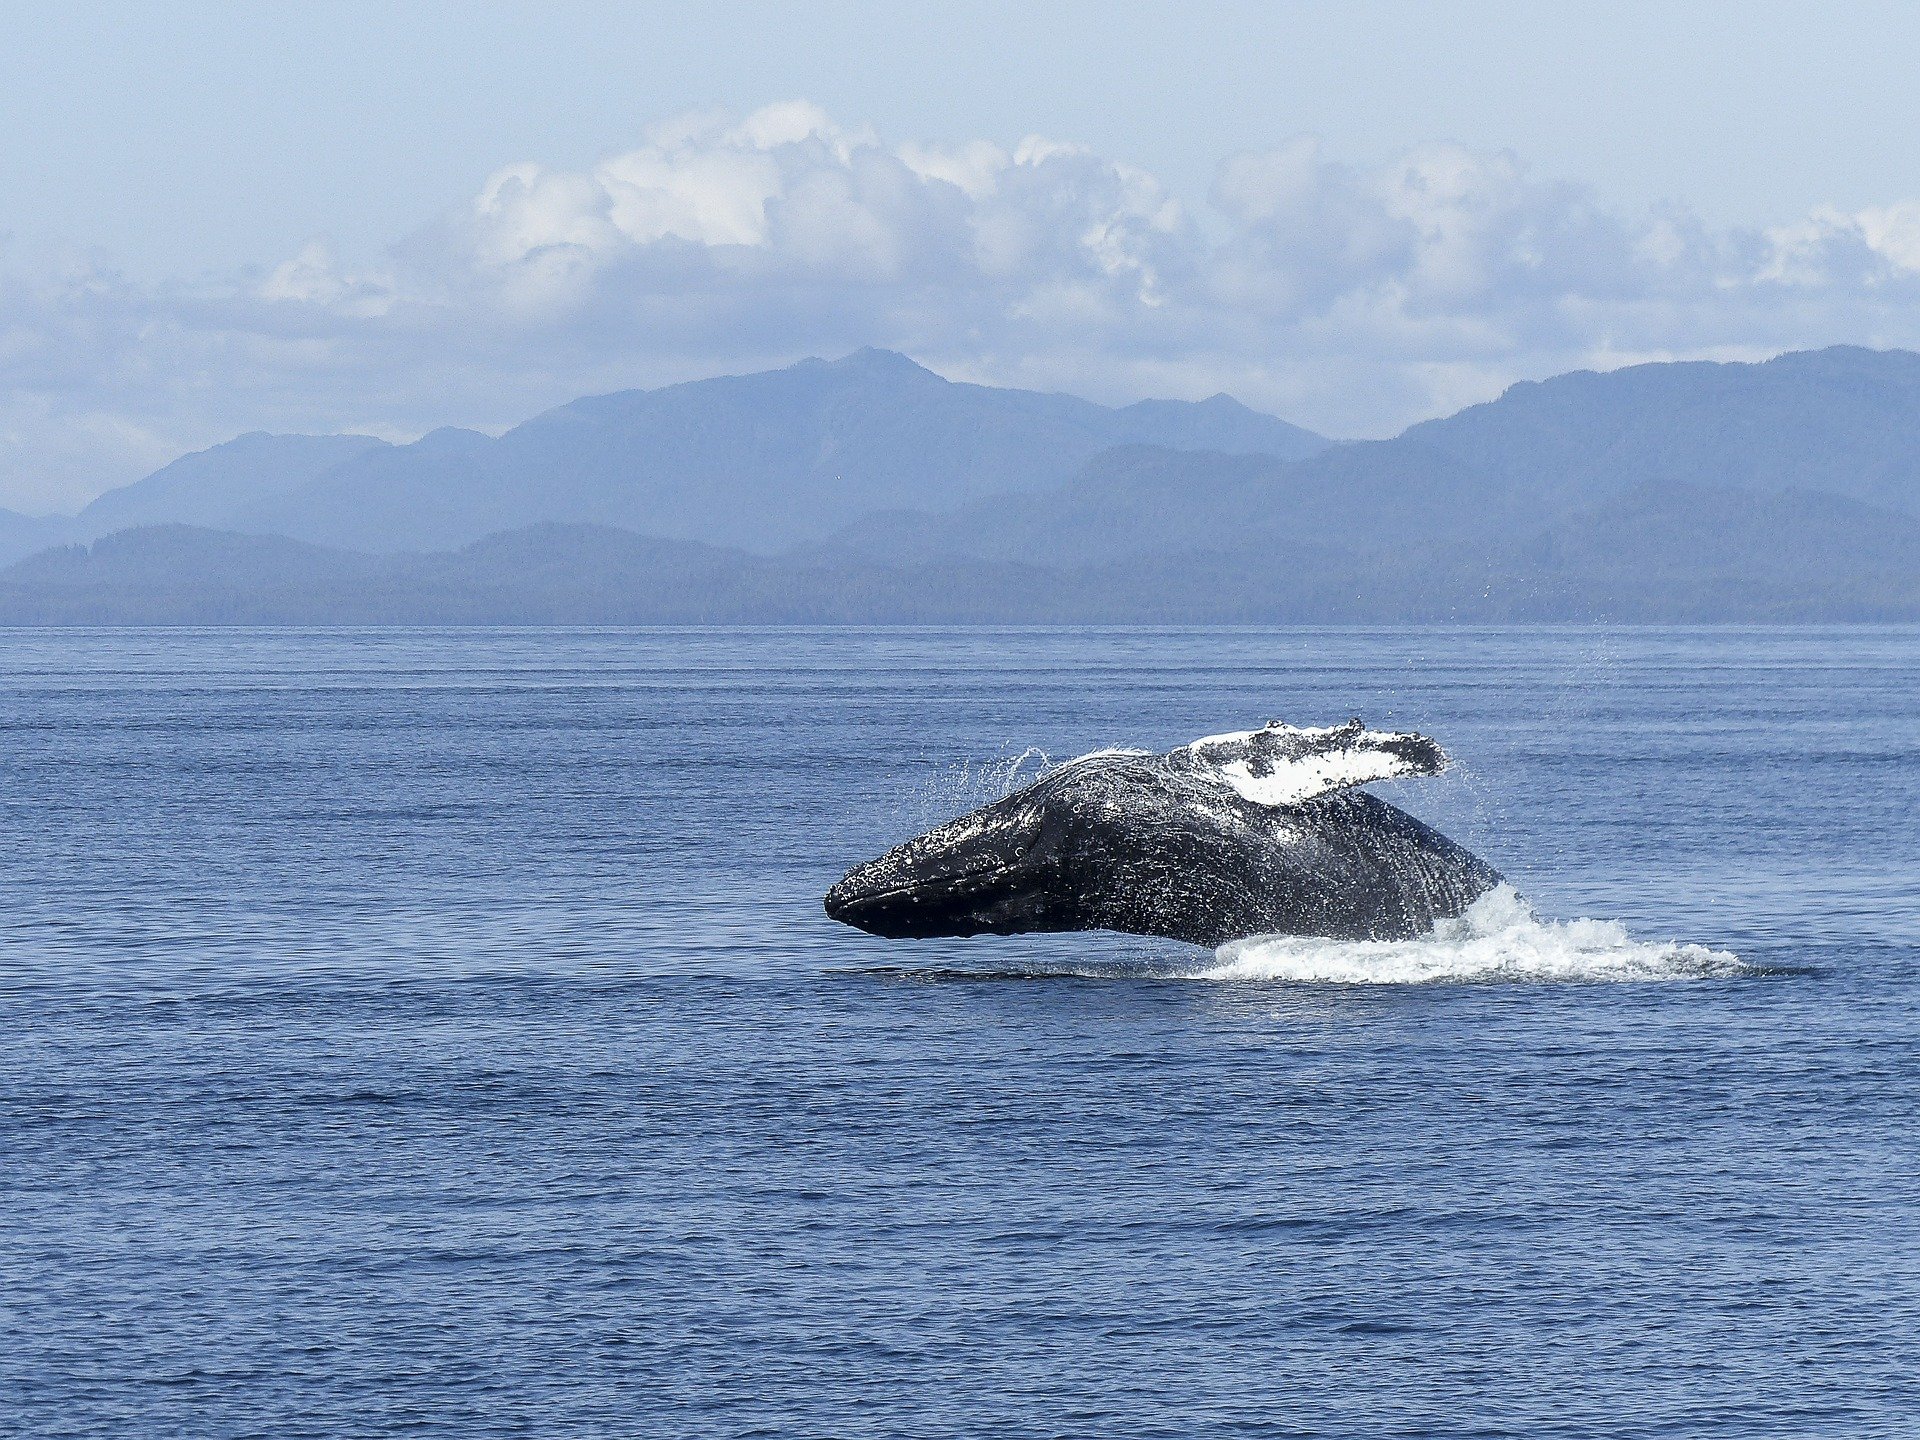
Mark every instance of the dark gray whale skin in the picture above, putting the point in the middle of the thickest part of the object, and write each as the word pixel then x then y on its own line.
pixel 1134 843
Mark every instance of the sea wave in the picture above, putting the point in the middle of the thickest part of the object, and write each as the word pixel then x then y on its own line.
pixel 1498 938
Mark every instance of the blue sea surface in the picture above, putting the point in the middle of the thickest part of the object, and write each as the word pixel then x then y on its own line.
pixel 437 1033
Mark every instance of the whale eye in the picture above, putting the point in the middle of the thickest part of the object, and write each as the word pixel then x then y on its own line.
pixel 1024 832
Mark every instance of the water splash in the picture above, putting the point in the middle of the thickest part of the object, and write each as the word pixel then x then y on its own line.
pixel 969 784
pixel 1499 938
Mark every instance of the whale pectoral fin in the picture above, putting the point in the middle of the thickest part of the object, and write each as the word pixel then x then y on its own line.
pixel 1282 764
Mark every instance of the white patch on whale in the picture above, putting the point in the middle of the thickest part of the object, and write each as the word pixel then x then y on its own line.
pixel 1498 938
pixel 1281 764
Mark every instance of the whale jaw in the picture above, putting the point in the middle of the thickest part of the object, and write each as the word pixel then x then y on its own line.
pixel 905 912
pixel 885 899
pixel 972 876
pixel 983 902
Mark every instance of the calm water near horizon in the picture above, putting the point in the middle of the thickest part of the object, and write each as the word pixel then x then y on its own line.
pixel 438 1033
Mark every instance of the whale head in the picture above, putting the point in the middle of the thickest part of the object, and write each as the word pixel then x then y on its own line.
pixel 987 872
pixel 1080 849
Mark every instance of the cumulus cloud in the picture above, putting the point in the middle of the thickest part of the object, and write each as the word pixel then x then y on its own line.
pixel 1352 298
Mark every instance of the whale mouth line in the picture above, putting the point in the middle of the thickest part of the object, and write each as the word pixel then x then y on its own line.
pixel 937 885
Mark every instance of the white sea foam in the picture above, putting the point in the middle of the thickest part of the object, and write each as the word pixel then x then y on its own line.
pixel 1499 938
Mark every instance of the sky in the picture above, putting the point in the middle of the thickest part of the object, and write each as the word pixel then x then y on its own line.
pixel 345 216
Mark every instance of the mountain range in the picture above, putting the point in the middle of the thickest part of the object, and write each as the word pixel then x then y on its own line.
pixel 761 461
pixel 870 489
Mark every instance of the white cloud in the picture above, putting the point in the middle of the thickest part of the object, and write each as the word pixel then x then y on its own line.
pixel 1354 298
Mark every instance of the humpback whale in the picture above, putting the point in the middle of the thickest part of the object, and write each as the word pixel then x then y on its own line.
pixel 1257 832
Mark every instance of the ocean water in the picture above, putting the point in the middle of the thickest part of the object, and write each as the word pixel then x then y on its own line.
pixel 436 1033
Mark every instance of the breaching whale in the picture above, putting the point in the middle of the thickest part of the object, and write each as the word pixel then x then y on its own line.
pixel 1258 832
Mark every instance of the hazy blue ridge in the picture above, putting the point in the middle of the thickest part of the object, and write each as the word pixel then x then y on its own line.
pixel 1657 554
pixel 542 574
pixel 1779 491
pixel 208 487
pixel 1844 421
pixel 767 461
pixel 1367 498
pixel 24 534
pixel 763 461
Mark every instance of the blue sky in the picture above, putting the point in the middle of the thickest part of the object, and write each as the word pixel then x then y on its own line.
pixel 347 216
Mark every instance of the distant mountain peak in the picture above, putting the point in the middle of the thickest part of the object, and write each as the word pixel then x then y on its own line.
pixel 1848 360
pixel 453 437
pixel 1218 404
pixel 1852 361
pixel 873 360
pixel 257 439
